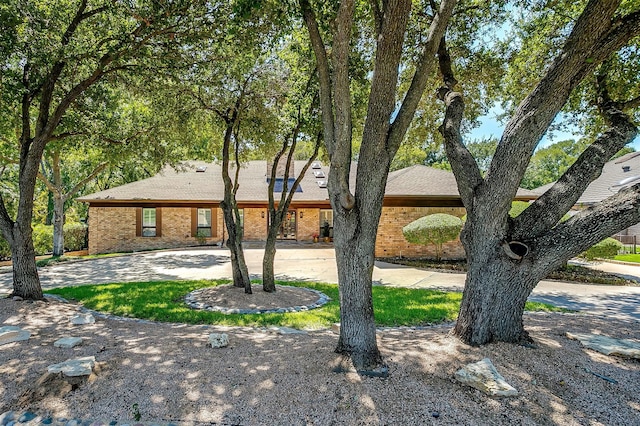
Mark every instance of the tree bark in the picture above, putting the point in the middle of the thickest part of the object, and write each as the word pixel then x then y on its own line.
pixel 268 273
pixel 26 282
pixel 58 225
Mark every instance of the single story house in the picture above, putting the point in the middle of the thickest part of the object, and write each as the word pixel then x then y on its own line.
pixel 616 174
pixel 179 208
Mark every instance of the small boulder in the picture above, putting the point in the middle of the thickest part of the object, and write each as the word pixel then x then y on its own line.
pixel 218 340
pixel 335 327
pixel 10 334
pixel 17 299
pixel 483 376
pixel 81 319
pixel 608 345
pixel 74 367
pixel 286 330
pixel 67 342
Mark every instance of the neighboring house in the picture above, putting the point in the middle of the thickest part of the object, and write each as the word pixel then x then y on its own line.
pixel 616 174
pixel 181 208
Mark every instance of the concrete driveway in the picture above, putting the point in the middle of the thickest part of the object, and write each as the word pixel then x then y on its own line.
pixel 318 264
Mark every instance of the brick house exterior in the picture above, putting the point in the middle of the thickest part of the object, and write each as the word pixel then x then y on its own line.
pixel 181 209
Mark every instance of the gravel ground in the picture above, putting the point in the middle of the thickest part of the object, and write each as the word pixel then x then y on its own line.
pixel 264 378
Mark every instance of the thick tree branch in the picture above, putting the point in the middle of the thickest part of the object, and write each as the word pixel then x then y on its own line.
pixel 550 207
pixel 376 11
pixel 463 164
pixel 630 104
pixel 324 75
pixel 536 112
pixel 424 68
pixel 590 226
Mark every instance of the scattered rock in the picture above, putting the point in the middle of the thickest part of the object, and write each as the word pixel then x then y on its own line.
pixel 483 376
pixel 17 299
pixel 286 330
pixel 11 333
pixel 607 345
pixel 335 327
pixel 80 319
pixel 74 367
pixel 67 342
pixel 218 340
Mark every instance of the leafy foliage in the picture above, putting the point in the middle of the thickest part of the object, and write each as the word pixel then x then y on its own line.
pixel 605 249
pixel 75 236
pixel 434 229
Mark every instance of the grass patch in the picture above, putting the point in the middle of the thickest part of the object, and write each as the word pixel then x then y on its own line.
pixel 635 258
pixel 163 301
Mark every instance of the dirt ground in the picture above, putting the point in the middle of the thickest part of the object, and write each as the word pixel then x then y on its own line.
pixel 263 378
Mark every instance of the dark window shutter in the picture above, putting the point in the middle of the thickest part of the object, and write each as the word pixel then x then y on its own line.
pixel 214 222
pixel 139 222
pixel 158 222
pixel 194 222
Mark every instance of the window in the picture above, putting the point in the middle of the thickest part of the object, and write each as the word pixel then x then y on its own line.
pixel 204 223
pixel 326 223
pixel 149 222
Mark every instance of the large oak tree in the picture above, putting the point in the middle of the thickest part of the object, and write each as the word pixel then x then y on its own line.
pixel 508 256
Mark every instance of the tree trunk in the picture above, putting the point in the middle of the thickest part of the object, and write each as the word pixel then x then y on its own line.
pixel 58 226
pixel 234 243
pixel 496 288
pixel 26 282
pixel 355 260
pixel 268 274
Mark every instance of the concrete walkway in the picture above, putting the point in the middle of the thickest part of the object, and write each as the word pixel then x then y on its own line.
pixel 318 264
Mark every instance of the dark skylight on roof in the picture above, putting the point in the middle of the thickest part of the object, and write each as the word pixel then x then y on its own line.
pixel 279 184
pixel 318 173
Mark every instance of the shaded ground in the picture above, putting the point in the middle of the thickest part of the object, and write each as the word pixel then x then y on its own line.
pixel 568 273
pixel 265 378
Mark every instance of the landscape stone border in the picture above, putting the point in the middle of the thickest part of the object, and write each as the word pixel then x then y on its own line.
pixel 192 301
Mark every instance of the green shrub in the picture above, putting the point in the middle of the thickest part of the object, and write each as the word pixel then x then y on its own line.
pixel 5 250
pixel 434 229
pixel 75 236
pixel 605 249
pixel 42 239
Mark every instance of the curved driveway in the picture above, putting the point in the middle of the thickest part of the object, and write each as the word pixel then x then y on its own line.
pixel 318 264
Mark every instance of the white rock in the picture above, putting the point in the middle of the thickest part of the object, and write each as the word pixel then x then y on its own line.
pixel 218 340
pixel 80 319
pixel 74 367
pixel 67 342
pixel 286 330
pixel 10 334
pixel 335 327
pixel 607 345
pixel 483 376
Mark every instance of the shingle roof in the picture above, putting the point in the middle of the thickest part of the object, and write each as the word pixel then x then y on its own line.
pixel 615 175
pixel 189 185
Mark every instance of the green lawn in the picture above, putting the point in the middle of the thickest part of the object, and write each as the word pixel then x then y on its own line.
pixel 628 258
pixel 163 301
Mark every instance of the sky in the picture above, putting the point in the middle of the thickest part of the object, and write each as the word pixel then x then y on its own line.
pixel 490 127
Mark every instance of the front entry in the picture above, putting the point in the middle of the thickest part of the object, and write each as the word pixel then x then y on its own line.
pixel 288 227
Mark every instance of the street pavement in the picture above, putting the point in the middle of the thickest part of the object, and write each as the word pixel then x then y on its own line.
pixel 318 264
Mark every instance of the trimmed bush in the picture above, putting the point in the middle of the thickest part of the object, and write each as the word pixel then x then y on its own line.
pixel 435 229
pixel 75 236
pixel 605 249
